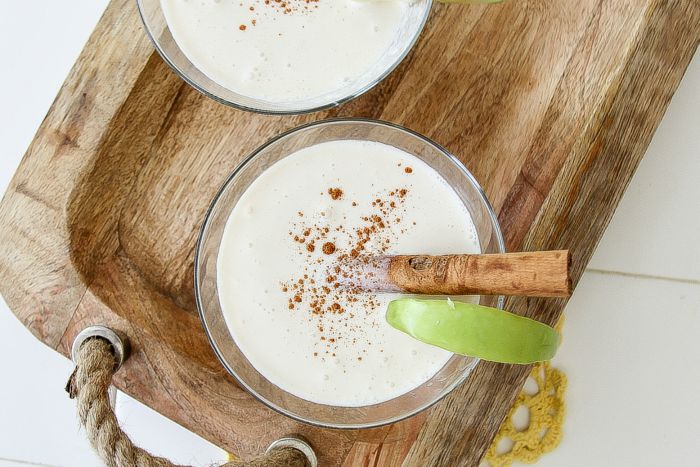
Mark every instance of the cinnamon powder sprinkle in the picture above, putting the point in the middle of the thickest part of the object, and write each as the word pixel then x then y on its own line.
pixel 336 193
pixel 269 9
pixel 322 300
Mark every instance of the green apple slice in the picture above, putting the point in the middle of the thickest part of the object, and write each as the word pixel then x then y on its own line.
pixel 474 330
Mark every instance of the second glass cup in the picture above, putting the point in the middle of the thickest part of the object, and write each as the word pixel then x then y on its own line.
pixel 154 19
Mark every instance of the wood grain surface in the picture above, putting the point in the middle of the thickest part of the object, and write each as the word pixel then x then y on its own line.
pixel 550 104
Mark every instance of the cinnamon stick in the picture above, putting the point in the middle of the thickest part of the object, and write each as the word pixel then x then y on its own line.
pixel 537 274
pixel 530 274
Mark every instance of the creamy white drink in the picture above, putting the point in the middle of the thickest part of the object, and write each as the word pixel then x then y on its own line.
pixel 276 269
pixel 293 50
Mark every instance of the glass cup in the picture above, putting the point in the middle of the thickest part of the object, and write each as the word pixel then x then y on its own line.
pixel 455 370
pixel 157 29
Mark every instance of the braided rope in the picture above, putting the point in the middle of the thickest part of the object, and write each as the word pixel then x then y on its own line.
pixel 90 382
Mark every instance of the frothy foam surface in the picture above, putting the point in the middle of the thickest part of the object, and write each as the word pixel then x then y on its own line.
pixel 317 48
pixel 282 308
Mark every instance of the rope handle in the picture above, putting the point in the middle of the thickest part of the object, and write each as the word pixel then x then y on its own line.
pixel 96 362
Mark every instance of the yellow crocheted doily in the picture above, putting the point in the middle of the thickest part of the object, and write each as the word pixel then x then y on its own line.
pixel 545 408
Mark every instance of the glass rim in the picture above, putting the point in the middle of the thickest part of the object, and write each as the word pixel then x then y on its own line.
pixel 236 105
pixel 500 244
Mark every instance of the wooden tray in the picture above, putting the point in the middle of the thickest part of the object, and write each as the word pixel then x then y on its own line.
pixel 550 104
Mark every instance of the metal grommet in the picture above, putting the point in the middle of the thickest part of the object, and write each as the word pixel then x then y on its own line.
pixel 298 444
pixel 119 345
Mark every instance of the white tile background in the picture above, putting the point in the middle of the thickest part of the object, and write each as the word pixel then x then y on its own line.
pixel 632 326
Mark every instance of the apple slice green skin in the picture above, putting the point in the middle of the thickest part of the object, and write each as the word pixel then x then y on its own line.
pixel 474 330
